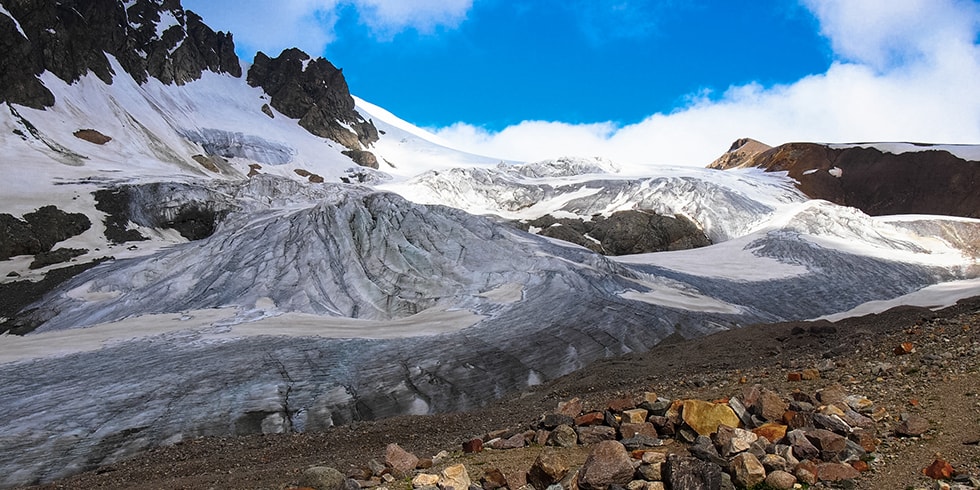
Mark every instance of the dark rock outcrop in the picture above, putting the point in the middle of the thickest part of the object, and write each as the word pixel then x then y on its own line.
pixel 933 181
pixel 149 38
pixel 315 92
pixel 39 231
pixel 625 232
pixel 193 211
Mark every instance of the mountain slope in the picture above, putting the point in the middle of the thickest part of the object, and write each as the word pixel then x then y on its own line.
pixel 878 178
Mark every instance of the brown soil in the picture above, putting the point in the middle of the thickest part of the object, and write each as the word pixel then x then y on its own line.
pixel 939 380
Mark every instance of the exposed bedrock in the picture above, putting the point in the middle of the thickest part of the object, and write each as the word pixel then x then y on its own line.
pixel 625 232
pixel 38 231
pixel 71 38
pixel 315 92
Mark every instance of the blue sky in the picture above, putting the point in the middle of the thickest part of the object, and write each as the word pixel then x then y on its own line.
pixel 626 78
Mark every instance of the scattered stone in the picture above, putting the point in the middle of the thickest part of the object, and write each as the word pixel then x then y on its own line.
pixel 780 480
pixel 571 408
pixel 858 403
pixel 704 450
pixel 770 406
pixel 425 480
pixel 591 418
pixel 940 469
pixel 650 472
pixel 774 462
pixel 802 447
pixel 810 374
pixel 401 462
pixel 829 443
pixel 747 471
pixel 473 446
pixel 552 420
pixel 794 376
pixel 836 472
pixel 912 426
pixel 641 441
pixel 455 477
pixel 740 441
pixel 682 473
pixel 665 428
pixel 631 429
pixel 517 441
pixel 771 431
pixel 593 434
pixel 705 417
pixel 548 469
pixel 831 394
pixel 376 467
pixel 492 479
pixel 562 436
pixel 741 411
pixel 904 348
pixel 634 416
pixel 607 464
pixel 619 405
pixel 323 478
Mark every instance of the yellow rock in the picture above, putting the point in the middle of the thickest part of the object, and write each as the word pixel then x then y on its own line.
pixel 705 417
pixel 425 480
pixel 455 476
pixel 635 416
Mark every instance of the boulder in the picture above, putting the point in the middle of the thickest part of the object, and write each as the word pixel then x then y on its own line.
pixel 548 469
pixel 454 477
pixel 607 464
pixel 592 434
pixel 682 473
pixel 705 417
pixel 563 436
pixel 401 462
pixel 323 478
pixel 747 471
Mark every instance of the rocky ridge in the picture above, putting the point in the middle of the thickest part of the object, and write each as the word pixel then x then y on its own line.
pixel 149 38
pixel 883 401
pixel 315 92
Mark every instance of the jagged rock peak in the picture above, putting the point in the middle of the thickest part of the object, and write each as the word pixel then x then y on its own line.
pixel 741 154
pixel 70 38
pixel 315 92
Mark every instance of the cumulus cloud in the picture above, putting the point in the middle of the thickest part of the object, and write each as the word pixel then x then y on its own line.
pixel 906 72
pixel 388 17
pixel 309 24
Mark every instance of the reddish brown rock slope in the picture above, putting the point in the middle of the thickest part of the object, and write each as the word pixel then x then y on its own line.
pixel 878 183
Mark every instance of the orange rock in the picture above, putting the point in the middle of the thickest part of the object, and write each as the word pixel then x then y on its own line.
pixel 591 418
pixel 904 348
pixel 772 432
pixel 860 466
pixel 795 376
pixel 938 470
pixel 914 402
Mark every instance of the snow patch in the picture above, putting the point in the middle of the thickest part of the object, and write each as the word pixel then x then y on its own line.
pixel 4 11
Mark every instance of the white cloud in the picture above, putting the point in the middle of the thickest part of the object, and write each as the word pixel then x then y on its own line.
pixel 908 72
pixel 309 24
pixel 388 17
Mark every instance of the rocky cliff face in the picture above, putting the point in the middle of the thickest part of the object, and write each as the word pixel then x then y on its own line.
pixel 929 181
pixel 316 93
pixel 149 38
